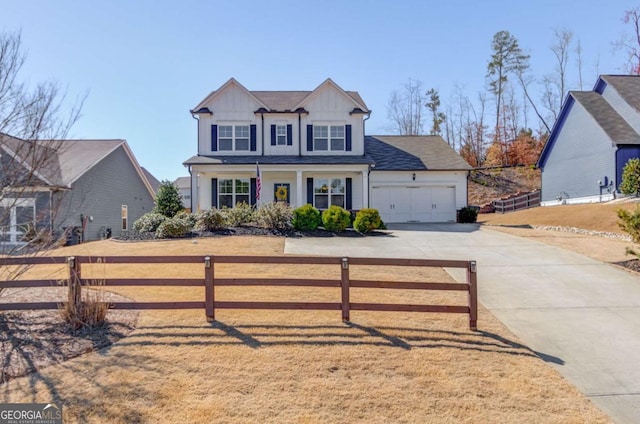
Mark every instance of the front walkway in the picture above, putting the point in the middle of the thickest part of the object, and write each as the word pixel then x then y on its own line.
pixel 582 314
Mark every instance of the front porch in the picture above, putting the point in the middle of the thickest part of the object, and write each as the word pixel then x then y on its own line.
pixel 322 186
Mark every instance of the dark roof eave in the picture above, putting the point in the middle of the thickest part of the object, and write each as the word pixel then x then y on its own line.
pixel 202 110
pixel 300 111
pixel 358 111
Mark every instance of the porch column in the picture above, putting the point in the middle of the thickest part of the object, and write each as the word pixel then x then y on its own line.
pixel 299 201
pixel 195 198
pixel 365 189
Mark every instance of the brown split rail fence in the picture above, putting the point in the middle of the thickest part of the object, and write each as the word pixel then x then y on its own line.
pixel 75 283
pixel 525 201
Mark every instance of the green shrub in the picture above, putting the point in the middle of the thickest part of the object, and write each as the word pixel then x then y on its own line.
pixel 336 219
pixel 241 214
pixel 275 216
pixel 468 215
pixel 168 200
pixel 149 222
pixel 209 220
pixel 189 217
pixel 173 227
pixel 367 219
pixel 631 177
pixel 630 222
pixel 306 218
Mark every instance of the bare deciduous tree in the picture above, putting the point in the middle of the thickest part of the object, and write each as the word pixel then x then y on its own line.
pixel 404 109
pixel 31 120
pixel 629 43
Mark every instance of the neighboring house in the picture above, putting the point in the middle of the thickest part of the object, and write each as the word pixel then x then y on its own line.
pixel 184 188
pixel 595 135
pixel 95 186
pixel 310 147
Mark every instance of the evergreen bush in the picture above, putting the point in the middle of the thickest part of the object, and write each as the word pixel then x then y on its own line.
pixel 367 219
pixel 306 218
pixel 336 219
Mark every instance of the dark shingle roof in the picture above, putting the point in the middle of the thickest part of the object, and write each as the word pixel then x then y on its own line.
pixel 618 130
pixel 279 160
pixel 628 86
pixel 153 181
pixel 413 153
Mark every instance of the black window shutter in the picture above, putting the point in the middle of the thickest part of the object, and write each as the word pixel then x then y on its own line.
pixel 309 138
pixel 349 191
pixel 289 135
pixel 254 146
pixel 347 131
pixel 273 135
pixel 253 191
pixel 214 193
pixel 214 138
pixel 310 191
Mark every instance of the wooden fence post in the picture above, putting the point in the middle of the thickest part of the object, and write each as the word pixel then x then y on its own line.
pixel 344 283
pixel 75 288
pixel 209 289
pixel 472 278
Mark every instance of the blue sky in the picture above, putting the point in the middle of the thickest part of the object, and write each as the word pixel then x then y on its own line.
pixel 146 63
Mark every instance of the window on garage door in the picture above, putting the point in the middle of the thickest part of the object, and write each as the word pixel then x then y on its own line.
pixel 328 191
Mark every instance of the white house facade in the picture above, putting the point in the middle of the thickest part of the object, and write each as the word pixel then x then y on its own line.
pixel 310 147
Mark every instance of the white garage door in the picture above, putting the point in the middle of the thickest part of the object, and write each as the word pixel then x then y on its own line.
pixel 414 203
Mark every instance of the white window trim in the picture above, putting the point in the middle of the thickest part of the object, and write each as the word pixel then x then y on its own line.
pixel 234 194
pixel 329 193
pixel 124 217
pixel 234 137
pixel 12 203
pixel 278 125
pixel 329 125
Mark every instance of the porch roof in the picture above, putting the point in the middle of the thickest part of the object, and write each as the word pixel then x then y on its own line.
pixel 279 160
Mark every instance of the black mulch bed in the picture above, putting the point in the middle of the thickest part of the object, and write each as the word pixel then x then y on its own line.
pixel 632 264
pixel 257 231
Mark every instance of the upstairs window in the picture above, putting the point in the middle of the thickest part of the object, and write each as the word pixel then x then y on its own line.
pixel 281 135
pixel 233 138
pixel 328 137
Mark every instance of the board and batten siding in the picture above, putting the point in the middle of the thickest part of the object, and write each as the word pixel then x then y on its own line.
pixel 233 106
pixel 330 107
pixel 582 155
pixel 101 192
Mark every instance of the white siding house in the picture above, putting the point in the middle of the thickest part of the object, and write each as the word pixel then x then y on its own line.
pixel 310 147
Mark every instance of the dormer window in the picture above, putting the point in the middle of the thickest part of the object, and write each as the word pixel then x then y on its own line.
pixel 233 137
pixel 328 137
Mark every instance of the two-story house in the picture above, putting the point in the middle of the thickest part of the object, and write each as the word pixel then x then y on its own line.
pixel 310 147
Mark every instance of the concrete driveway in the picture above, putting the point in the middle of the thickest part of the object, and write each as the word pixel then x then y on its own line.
pixel 581 314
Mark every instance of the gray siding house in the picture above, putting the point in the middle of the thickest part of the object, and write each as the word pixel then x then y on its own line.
pixel 93 186
pixel 595 135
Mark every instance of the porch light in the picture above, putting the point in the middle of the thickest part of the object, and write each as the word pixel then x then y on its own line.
pixel 414 176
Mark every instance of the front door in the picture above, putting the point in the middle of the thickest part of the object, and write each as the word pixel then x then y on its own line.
pixel 282 192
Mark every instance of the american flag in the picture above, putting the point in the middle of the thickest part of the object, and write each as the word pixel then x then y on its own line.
pixel 258 183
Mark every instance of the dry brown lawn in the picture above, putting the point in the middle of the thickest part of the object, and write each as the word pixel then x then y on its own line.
pixel 595 216
pixel 300 366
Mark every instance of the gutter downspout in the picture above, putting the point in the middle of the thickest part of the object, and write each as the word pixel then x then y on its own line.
pixel 363 131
